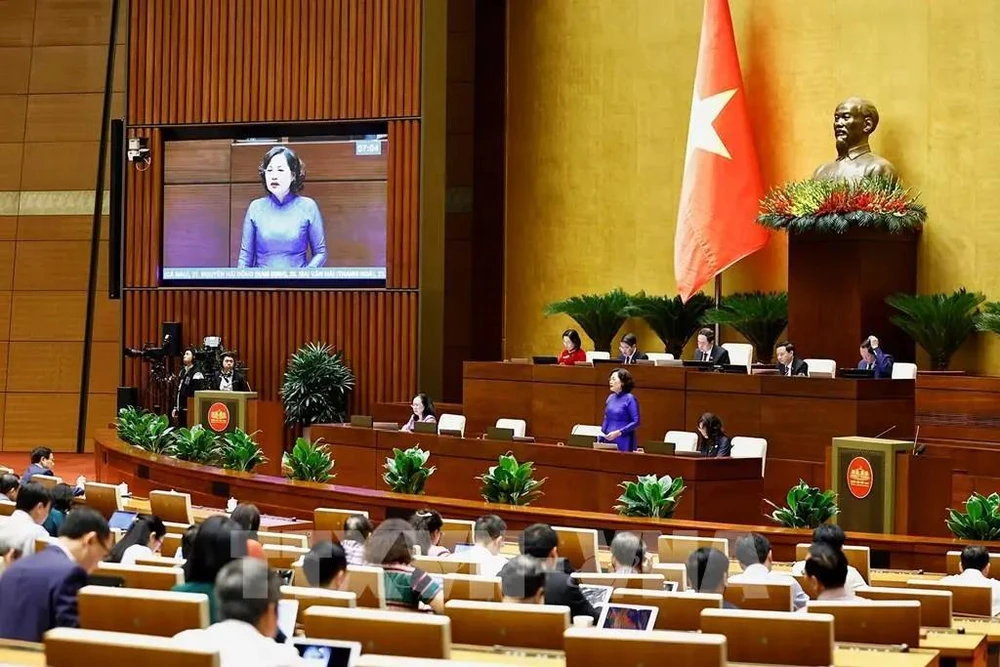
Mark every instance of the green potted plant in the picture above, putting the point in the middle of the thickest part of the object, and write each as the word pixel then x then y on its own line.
pixel 670 318
pixel 511 483
pixel 939 323
pixel 145 430
pixel 310 461
pixel 407 471
pixel 989 318
pixel 808 507
pixel 650 496
pixel 239 451
pixel 196 444
pixel 759 316
pixel 979 522
pixel 316 386
pixel 599 315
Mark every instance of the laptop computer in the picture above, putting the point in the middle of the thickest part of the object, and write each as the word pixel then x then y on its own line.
pixel 821 374
pixel 856 373
pixel 691 363
pixel 105 580
pixel 627 617
pixel 362 421
pixel 385 426
pixel 577 440
pixel 494 433
pixel 545 361
pixel 288 612
pixel 596 595
pixel 659 447
pixel 451 432
pixel 326 652
pixel 669 586
pixel 735 369
pixel 607 362
pixel 122 520
pixel 463 547
pixel 425 427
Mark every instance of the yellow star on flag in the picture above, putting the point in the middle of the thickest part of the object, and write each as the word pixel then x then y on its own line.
pixel 701 132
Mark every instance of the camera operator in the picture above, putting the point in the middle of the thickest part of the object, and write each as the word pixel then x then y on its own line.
pixel 189 380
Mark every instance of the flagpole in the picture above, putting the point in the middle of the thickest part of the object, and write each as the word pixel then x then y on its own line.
pixel 718 298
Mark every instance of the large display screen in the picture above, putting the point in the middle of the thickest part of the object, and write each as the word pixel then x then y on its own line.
pixel 276 210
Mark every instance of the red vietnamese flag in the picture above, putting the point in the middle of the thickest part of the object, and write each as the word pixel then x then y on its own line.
pixel 722 186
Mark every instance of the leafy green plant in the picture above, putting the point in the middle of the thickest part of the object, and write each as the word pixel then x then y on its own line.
pixel 146 430
pixel 406 471
pixel 316 386
pixel 196 444
pixel 989 319
pixel 511 483
pixel 599 315
pixel 239 451
pixel 650 496
pixel 759 316
pixel 808 507
pixel 939 323
pixel 310 461
pixel 980 521
pixel 670 318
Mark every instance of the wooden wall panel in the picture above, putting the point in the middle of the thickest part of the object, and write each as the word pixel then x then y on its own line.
pixel 253 60
pixel 15 63
pixel 18 22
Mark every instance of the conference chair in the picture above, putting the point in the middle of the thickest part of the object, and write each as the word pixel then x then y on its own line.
pixel 586 647
pixel 965 599
pixel 872 622
pixel 740 354
pixel 331 520
pixel 659 356
pixel 281 556
pixel 677 548
pixel 171 543
pixel 595 354
pixel 579 547
pixel 773 637
pixel 48 481
pixel 904 371
pixel 935 606
pixel 651 582
pixel 684 441
pixel 953 563
pixel 72 647
pixel 449 422
pixel 161 613
pixel 308 597
pixel 750 448
pixel 389 632
pixel 513 625
pixel 518 426
pixel 455 532
pixel 472 587
pixel 4 470
pixel 142 576
pixel 678 611
pixel 824 366
pixel 175 528
pixel 676 572
pixel 171 506
pixel 857 556
pixel 7 508
pixel 161 561
pixel 105 498
pixel 441 565
pixel 761 595
pixel 367 582
pixel 283 540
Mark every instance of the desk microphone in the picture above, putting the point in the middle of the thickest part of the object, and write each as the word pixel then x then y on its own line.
pixel 918 449
pixel 885 431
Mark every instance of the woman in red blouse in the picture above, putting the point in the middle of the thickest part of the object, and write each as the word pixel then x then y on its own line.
pixel 572 352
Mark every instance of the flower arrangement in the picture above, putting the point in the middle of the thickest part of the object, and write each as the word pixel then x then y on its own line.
pixel 838 205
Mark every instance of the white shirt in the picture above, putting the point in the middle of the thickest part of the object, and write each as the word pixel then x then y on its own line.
pixel 62 547
pixel 854 578
pixel 489 565
pixel 20 532
pixel 833 595
pixel 972 577
pixel 136 551
pixel 759 572
pixel 240 645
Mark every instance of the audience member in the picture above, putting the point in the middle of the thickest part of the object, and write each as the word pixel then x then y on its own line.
pixel 247 593
pixel 62 503
pixel 712 439
pixel 9 484
pixel 43 462
pixel 976 572
pixel 247 517
pixel 826 568
pixel 325 566
pixel 628 553
pixel 523 581
pixel 754 553
pixel 218 541
pixel 25 525
pixel 572 352
pixel 391 547
pixel 708 572
pixel 8 554
pixel 833 536
pixel 143 540
pixel 540 541
pixel 423 411
pixel 187 541
pixel 427 525
pixel 357 529
pixel 489 533
pixel 39 592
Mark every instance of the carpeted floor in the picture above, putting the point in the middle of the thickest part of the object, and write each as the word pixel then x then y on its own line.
pixel 68 466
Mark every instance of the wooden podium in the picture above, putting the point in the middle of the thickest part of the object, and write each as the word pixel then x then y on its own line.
pixel 223 412
pixel 883 488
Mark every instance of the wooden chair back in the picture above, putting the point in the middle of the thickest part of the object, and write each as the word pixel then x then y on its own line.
pixel 283 540
pixel 367 582
pixel 143 576
pixel 7 508
pixel 651 582
pixel 445 565
pixel 472 587
pixel 678 611
pixel 330 520
pixel 773 637
pixel 72 647
pixel 42 543
pixel 171 506
pixel 513 625
pixel 677 548
pixel 761 595
pixel 935 606
pixel 871 621
pixel 4 470
pixel 48 481
pixel 171 543
pixel 282 556
pixel 965 599
pixel 673 572
pixel 953 563
pixel 174 528
pixel 579 547
pixel 309 597
pixel 161 613
pixel 105 498
pixel 586 647
pixel 160 561
pixel 375 660
pixel 807 586
pixel 455 532
pixel 389 632
pixel 858 557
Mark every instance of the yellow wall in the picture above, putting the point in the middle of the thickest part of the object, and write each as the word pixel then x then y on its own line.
pixel 598 98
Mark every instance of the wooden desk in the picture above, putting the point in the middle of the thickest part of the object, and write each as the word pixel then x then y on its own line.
pixel 268 523
pixel 983 626
pixel 578 478
pixel 21 653
pixel 961 650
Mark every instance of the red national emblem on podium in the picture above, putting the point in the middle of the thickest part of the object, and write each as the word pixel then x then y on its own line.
pixel 859 477
pixel 218 417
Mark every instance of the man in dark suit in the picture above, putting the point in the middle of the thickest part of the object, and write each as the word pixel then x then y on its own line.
pixel 629 348
pixel 541 542
pixel 708 350
pixel 708 572
pixel 42 463
pixel 39 592
pixel 788 364
pixel 874 359
pixel 229 378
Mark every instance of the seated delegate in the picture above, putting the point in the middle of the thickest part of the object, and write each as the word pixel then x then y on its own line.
pixel 712 440
pixel 572 349
pixel 629 349
pixel 873 358
pixel 423 411
pixel 621 412
pixel 789 363
pixel 708 350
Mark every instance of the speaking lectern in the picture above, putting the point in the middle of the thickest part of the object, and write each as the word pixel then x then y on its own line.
pixel 225 411
pixel 882 487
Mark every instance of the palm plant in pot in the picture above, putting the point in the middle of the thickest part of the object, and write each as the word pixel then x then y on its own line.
pixel 759 316
pixel 599 315
pixel 807 507
pixel 650 496
pixel 407 471
pixel 670 318
pixel 316 386
pixel 510 482
pixel 938 323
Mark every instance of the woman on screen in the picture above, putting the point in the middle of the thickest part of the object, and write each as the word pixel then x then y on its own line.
pixel 280 227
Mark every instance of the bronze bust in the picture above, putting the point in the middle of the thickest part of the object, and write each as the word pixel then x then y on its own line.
pixel 855 119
